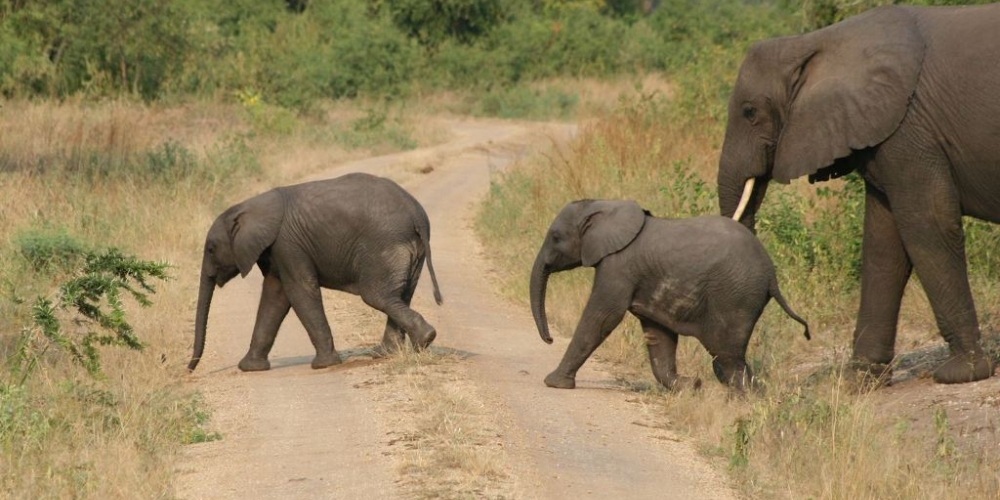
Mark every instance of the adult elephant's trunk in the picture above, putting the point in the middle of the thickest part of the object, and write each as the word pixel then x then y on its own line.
pixel 740 198
pixel 205 293
pixel 539 280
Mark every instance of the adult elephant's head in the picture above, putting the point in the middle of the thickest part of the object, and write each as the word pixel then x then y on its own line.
pixel 584 233
pixel 801 103
pixel 233 245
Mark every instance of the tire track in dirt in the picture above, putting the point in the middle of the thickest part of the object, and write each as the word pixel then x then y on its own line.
pixel 298 433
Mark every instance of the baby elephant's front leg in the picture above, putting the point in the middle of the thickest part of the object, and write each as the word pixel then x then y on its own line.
pixel 600 318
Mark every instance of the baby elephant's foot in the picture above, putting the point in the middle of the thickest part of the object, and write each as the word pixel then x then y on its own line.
pixel 385 349
pixel 423 340
pixel 560 381
pixel 681 384
pixel 325 360
pixel 251 364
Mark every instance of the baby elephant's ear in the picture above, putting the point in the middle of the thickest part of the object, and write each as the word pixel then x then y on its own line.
pixel 607 226
pixel 253 226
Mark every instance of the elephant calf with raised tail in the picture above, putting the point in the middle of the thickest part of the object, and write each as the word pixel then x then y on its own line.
pixel 707 277
pixel 357 233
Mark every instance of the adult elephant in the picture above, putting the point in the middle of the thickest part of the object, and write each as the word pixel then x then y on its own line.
pixel 907 97
pixel 357 233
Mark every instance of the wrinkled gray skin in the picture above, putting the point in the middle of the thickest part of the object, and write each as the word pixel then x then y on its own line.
pixel 907 97
pixel 707 277
pixel 357 233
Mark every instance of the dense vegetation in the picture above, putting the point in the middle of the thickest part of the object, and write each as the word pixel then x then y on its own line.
pixel 297 51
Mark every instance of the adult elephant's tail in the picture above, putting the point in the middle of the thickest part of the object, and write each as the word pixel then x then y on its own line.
pixel 425 239
pixel 776 293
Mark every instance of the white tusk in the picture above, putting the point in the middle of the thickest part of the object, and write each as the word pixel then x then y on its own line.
pixel 745 199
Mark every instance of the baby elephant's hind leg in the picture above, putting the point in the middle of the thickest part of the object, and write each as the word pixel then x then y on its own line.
pixel 392 339
pixel 662 346
pixel 733 371
pixel 392 295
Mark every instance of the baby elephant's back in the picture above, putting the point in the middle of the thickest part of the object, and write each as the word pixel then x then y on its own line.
pixel 712 245
pixel 358 202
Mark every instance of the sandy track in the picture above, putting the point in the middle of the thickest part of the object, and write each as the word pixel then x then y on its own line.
pixel 298 433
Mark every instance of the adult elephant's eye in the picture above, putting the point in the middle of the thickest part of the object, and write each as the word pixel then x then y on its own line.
pixel 750 113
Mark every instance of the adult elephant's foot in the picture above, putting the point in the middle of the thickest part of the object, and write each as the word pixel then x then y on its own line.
pixel 422 340
pixel 560 381
pixel 250 364
pixel 325 360
pixel 965 367
pixel 863 375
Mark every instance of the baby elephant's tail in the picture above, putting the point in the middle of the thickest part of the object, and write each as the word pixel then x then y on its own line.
pixel 425 238
pixel 776 293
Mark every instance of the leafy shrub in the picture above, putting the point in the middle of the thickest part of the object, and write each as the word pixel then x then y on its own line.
pixel 95 296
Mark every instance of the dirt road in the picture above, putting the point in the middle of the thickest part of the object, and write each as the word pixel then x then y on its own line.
pixel 296 433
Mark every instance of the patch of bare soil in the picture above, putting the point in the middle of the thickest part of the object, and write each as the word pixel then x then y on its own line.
pixel 469 419
pixel 967 414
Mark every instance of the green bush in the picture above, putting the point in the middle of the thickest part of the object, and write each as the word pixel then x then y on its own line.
pixel 94 295
pixel 49 249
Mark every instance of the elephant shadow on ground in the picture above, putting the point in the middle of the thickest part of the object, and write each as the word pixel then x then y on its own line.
pixel 362 356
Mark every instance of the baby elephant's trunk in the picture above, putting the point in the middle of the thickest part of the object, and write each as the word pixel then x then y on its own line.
pixel 201 319
pixel 539 280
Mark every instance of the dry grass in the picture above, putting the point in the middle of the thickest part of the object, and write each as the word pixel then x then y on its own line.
pixel 806 435
pixel 447 442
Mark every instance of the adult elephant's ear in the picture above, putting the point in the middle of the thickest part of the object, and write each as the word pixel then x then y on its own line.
pixel 253 226
pixel 849 89
pixel 607 226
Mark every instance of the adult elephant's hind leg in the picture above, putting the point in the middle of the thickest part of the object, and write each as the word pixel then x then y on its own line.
pixel 931 229
pixel 271 312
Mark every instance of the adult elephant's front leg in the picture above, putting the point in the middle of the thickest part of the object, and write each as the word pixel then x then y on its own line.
pixel 306 299
pixel 271 312
pixel 931 230
pixel 885 269
pixel 605 310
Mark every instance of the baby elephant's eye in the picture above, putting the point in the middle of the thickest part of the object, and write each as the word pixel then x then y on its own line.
pixel 750 113
pixel 555 237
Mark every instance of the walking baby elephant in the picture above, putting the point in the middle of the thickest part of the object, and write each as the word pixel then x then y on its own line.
pixel 708 277
pixel 357 233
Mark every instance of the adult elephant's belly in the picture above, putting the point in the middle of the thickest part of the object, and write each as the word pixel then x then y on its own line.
pixel 979 190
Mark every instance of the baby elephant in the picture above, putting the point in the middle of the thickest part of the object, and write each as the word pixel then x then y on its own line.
pixel 357 233
pixel 708 277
